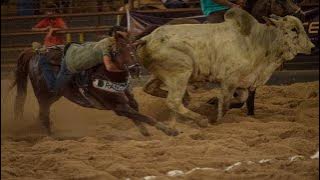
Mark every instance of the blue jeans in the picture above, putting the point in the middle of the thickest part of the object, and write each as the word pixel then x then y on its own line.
pixel 55 84
pixel 175 4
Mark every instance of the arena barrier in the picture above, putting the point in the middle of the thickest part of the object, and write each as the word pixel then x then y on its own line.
pixel 139 21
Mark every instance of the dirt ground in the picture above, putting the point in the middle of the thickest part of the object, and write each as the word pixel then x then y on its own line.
pixel 88 144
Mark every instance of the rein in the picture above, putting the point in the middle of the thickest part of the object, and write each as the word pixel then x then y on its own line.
pixel 115 52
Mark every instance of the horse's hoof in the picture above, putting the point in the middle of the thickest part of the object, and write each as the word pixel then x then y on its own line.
pixel 203 123
pixel 145 132
pixel 173 132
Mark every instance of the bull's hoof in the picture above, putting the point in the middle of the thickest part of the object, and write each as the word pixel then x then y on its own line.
pixel 203 123
pixel 167 130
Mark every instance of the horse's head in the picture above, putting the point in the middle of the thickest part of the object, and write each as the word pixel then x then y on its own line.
pixel 286 7
pixel 123 54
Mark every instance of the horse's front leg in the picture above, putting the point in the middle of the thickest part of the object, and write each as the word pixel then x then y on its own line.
pixel 132 102
pixel 127 111
pixel 44 112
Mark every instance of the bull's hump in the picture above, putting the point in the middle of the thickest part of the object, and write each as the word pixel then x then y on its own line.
pixel 193 30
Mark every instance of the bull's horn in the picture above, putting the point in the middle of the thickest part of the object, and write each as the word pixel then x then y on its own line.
pixel 139 42
pixel 270 21
pixel 275 16
pixel 121 34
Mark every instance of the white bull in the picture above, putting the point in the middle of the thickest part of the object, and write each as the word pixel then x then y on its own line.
pixel 239 53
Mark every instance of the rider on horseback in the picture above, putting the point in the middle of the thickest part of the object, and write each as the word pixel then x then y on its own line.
pixel 80 57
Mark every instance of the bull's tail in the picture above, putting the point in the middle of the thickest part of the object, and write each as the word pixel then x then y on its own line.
pixel 21 80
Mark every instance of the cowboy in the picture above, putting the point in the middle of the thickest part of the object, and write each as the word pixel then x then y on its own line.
pixel 80 57
pixel 170 4
pixel 215 9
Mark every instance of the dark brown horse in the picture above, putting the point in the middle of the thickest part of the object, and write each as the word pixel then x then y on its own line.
pixel 260 8
pixel 121 102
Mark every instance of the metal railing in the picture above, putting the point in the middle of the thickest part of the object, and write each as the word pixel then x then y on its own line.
pixel 71 6
pixel 80 30
pixel 83 30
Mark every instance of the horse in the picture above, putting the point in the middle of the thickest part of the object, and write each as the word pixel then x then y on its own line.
pixel 261 8
pixel 120 99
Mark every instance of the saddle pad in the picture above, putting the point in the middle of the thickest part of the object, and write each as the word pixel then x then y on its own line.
pixel 110 86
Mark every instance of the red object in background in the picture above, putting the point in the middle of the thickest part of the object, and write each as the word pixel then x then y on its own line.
pixel 54 39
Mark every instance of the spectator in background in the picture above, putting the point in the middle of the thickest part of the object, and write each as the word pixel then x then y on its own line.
pixel 25 7
pixel 109 4
pixel 215 9
pixel 63 5
pixel 175 4
pixel 4 2
pixel 51 24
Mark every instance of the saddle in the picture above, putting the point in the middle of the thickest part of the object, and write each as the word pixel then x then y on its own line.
pixel 54 54
pixel 96 77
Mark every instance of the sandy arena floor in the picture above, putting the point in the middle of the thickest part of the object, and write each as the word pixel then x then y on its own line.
pixel 277 143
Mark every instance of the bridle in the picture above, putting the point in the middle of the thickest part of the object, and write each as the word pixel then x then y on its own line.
pixel 115 52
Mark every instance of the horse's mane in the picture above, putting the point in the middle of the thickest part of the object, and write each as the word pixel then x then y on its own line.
pixel 147 31
pixel 249 5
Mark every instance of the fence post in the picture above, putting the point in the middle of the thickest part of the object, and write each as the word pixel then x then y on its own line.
pixel 68 37
pixel 81 37
pixel 128 20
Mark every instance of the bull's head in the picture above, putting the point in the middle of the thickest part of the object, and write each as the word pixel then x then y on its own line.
pixel 294 39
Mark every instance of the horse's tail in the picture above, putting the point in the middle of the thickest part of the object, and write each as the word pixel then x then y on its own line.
pixel 21 80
